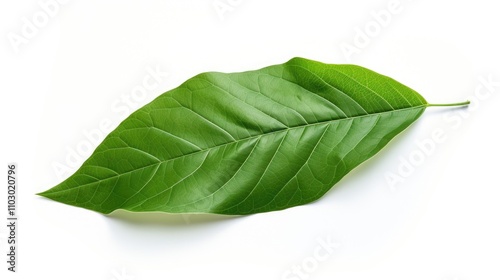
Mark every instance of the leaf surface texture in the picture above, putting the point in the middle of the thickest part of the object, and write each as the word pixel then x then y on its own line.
pixel 243 143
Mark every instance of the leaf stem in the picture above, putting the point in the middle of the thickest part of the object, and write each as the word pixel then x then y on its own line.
pixel 449 105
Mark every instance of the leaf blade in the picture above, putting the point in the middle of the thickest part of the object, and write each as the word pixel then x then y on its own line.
pixel 245 142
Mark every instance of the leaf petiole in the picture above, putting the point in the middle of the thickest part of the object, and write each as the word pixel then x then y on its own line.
pixel 450 105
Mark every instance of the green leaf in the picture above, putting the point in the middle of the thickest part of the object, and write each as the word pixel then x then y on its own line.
pixel 243 143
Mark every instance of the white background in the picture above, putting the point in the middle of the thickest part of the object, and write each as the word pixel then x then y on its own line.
pixel 442 222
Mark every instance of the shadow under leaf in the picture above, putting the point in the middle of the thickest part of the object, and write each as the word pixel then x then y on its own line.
pixel 168 219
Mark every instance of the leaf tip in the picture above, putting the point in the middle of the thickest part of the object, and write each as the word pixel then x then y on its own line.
pixel 44 193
